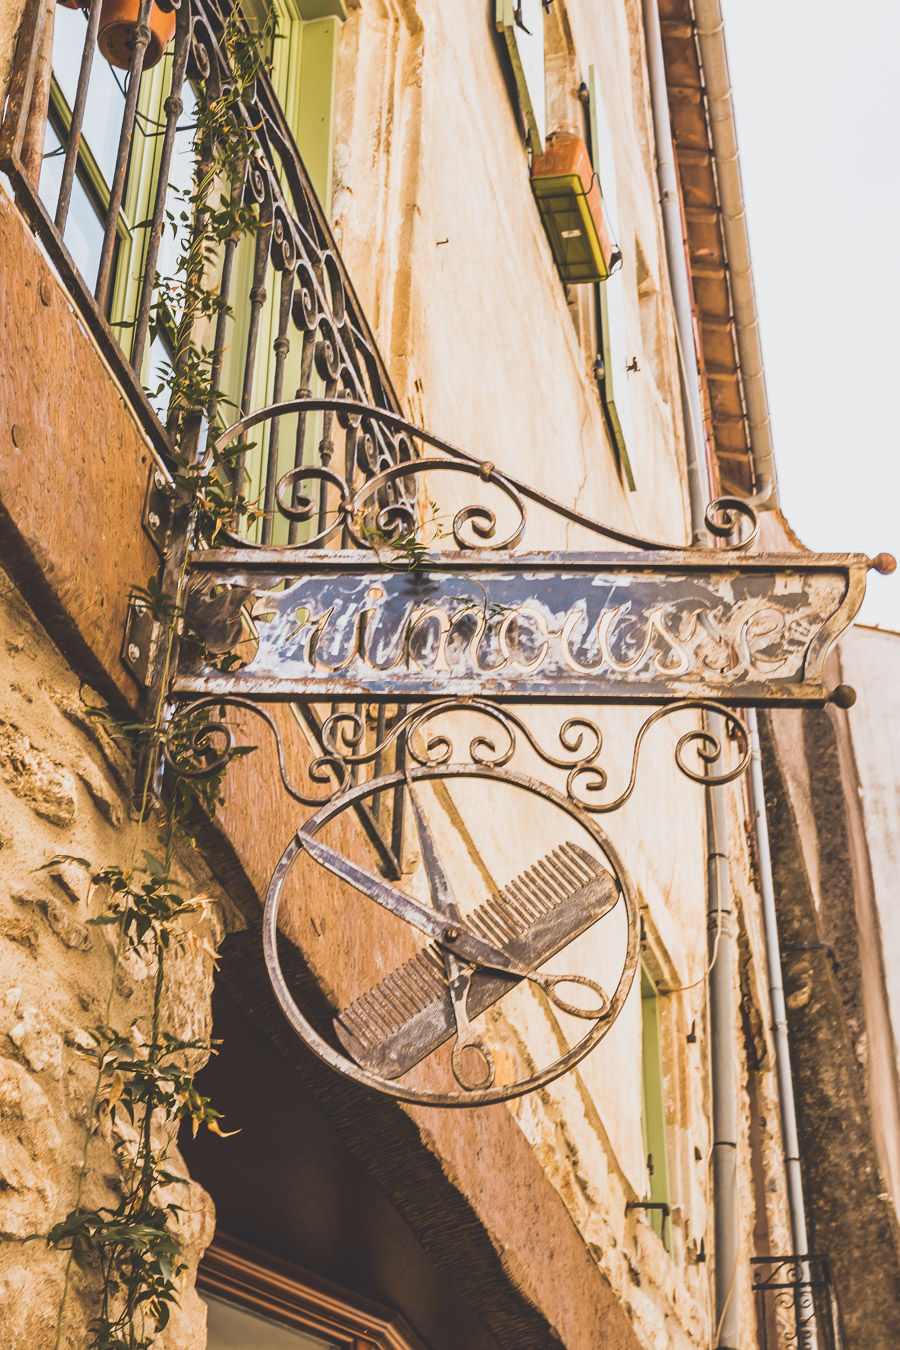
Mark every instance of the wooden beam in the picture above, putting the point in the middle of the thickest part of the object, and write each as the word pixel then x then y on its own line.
pixel 729 373
pixel 729 419
pixel 676 28
pixel 690 154
pixel 741 456
pixel 702 213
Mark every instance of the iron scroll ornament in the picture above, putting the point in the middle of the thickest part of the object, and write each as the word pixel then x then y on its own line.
pixel 455 939
pixel 383 445
pixel 483 955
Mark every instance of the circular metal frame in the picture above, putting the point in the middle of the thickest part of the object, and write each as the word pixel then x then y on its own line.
pixel 479 1097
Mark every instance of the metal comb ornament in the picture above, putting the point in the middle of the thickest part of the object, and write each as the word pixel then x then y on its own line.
pixel 470 961
pixel 410 1014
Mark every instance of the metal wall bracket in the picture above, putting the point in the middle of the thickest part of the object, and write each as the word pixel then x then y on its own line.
pixel 158 510
pixel 139 640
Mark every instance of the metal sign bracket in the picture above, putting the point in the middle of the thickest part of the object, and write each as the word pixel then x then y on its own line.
pixel 425 640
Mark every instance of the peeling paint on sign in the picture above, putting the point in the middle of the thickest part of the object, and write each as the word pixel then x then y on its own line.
pixel 613 626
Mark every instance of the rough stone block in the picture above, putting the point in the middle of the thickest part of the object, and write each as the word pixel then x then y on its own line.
pixel 76 710
pixel 72 880
pixel 36 1040
pixel 18 930
pixel 29 1154
pixel 69 931
pixel 101 794
pixel 35 778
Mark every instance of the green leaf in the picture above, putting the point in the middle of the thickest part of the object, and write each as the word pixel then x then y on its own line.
pixel 154 866
pixel 61 858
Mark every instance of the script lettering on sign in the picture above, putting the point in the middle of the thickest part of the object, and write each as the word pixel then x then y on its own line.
pixel 611 626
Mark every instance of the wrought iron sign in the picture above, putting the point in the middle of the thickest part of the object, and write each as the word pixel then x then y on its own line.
pixel 548 626
pixel 461 637
pixel 348 597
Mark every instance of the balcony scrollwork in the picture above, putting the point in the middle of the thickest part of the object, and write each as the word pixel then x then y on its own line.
pixel 319 337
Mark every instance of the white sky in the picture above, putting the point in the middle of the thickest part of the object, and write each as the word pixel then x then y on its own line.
pixel 817 101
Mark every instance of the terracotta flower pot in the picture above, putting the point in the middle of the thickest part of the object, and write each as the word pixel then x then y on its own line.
pixel 571 207
pixel 114 38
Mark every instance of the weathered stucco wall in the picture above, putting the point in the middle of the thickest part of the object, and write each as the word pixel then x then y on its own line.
pixel 870 662
pixel 65 788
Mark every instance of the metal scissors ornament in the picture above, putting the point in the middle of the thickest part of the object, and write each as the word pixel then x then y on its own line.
pixel 470 962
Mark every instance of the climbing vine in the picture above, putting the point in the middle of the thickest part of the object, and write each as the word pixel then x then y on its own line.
pixel 143 1086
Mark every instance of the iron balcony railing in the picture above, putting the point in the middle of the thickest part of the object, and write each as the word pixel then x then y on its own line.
pixel 796 1303
pixel 315 335
pixel 317 327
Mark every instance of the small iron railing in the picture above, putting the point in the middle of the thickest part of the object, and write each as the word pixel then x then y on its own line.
pixel 316 324
pixel 796 1303
pixel 318 327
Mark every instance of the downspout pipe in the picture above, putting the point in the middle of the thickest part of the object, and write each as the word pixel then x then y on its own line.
pixel 717 81
pixel 720 919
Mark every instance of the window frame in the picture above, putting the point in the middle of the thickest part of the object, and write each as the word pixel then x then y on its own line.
pixel 258 1282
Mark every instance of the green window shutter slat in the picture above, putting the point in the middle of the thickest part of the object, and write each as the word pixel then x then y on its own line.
pixel 610 293
pixel 653 1116
pixel 525 44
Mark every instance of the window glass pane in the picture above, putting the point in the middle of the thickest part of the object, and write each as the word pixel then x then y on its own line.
pixel 84 228
pixel 106 97
pixel 176 232
pixel 51 168
pixel 233 1328
pixel 159 363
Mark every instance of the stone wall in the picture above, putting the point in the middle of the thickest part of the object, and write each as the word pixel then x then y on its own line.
pixel 65 788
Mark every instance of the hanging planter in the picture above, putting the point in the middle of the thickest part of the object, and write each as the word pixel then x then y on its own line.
pixel 115 37
pixel 571 207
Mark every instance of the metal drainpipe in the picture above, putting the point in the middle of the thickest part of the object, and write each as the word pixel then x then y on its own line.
pixel 719 911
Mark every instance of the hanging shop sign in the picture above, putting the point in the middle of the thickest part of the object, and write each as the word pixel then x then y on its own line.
pixel 601 627
pixel 426 667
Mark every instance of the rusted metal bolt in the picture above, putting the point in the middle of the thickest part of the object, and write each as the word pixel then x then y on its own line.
pixel 451 934
pixel 46 292
pixel 134 652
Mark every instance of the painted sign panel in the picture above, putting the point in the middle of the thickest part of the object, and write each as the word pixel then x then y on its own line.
pixel 613 626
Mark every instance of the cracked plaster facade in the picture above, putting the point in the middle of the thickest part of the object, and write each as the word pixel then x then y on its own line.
pixel 66 789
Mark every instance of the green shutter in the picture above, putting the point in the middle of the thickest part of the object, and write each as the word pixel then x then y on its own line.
pixel 522 26
pixel 610 293
pixel 653 1114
